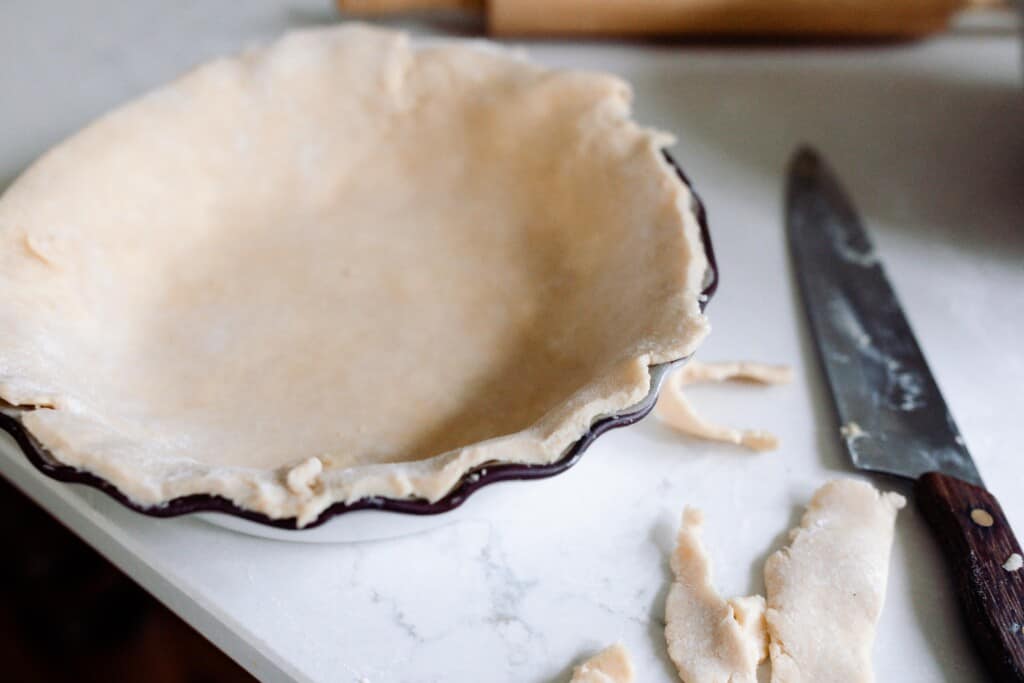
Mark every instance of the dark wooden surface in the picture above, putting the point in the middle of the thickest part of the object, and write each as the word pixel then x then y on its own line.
pixel 66 614
pixel 977 541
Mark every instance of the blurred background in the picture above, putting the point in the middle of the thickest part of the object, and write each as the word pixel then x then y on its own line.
pixel 66 614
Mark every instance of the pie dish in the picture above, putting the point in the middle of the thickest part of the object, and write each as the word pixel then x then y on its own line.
pixel 343 272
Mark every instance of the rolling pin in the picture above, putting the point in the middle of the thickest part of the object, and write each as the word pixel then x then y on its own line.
pixel 791 18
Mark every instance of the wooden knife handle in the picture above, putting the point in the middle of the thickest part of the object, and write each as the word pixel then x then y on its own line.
pixel 980 547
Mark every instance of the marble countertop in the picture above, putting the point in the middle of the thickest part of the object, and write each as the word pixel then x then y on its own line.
pixel 929 138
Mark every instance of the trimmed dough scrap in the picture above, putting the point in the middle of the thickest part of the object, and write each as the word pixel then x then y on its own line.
pixel 710 639
pixel 825 594
pixel 403 261
pixel 826 589
pixel 677 411
pixel 611 665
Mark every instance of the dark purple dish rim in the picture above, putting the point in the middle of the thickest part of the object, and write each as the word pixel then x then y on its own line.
pixel 471 482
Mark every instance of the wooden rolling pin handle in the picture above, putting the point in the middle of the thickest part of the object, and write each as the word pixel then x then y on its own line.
pixel 813 18
pixel 375 7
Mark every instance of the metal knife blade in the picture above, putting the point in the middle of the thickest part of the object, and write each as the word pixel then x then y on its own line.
pixel 893 417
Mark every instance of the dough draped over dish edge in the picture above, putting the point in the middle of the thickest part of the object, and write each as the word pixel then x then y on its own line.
pixel 42 241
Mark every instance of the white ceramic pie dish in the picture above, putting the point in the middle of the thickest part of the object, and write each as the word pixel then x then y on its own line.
pixel 476 500
pixel 368 520
pixel 349 276
pixel 376 518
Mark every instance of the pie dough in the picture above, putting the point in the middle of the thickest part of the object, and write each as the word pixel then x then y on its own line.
pixel 825 594
pixel 676 410
pixel 611 665
pixel 710 639
pixel 343 266
pixel 826 589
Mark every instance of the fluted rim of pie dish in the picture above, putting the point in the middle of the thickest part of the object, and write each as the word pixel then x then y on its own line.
pixel 471 482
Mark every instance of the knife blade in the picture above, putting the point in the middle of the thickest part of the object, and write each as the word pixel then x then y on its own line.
pixel 893 418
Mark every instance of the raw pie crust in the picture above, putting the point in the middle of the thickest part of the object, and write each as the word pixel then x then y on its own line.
pixel 339 267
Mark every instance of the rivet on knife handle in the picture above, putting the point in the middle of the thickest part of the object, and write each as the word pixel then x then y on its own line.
pixel 986 557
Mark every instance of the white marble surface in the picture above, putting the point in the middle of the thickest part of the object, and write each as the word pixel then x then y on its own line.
pixel 930 139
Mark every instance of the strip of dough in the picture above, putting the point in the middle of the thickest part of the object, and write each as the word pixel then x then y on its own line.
pixel 678 413
pixel 761 373
pixel 610 665
pixel 710 639
pixel 826 590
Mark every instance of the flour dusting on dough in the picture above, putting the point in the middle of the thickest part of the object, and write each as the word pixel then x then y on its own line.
pixel 611 665
pixel 677 412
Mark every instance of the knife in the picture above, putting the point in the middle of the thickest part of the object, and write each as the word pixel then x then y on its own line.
pixel 893 417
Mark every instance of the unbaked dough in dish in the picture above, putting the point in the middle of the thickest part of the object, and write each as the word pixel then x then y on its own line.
pixel 343 266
